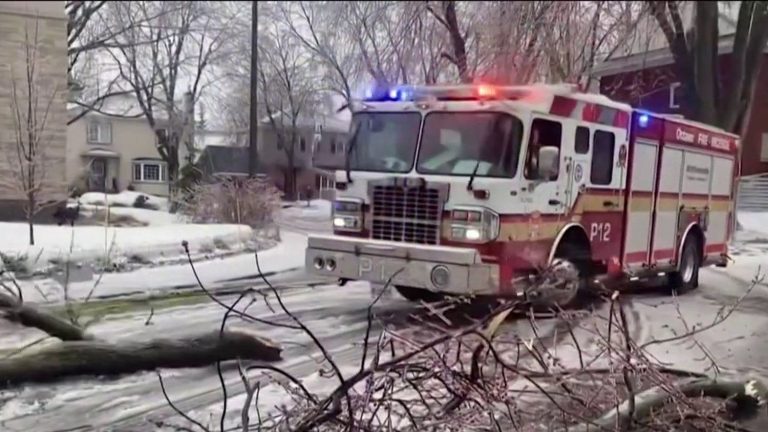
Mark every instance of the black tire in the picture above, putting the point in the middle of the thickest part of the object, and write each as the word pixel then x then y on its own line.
pixel 686 278
pixel 418 294
pixel 580 258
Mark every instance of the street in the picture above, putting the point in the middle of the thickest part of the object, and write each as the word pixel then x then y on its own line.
pixel 337 316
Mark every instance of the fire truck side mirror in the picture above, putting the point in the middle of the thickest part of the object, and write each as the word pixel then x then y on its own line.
pixel 549 158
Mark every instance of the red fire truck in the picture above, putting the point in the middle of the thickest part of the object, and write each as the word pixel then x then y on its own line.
pixel 528 191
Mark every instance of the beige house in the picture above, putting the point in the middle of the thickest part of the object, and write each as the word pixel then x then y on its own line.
pixel 47 20
pixel 115 152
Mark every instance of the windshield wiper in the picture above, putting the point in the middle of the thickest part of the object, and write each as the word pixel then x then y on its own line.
pixel 350 147
pixel 472 177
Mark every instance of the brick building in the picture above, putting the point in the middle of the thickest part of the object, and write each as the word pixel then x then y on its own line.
pixel 645 78
pixel 22 22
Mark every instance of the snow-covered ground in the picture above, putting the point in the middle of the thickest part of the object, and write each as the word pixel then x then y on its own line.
pixel 338 316
pixel 89 244
pixel 122 199
pixel 316 209
pixel 121 235
pixel 287 255
pixel 96 215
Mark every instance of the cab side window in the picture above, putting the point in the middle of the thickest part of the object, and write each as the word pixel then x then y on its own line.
pixel 544 133
pixel 581 142
pixel 602 158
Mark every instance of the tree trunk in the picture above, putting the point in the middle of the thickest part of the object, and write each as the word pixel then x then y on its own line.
pixel 30 217
pixel 28 316
pixel 656 397
pixel 69 359
pixel 457 41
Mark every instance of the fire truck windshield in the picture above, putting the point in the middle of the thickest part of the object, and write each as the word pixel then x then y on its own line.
pixel 458 143
pixel 384 141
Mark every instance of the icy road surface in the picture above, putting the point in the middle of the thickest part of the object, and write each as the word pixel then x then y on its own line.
pixel 337 315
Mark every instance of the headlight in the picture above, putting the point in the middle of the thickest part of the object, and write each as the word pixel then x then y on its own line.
pixel 474 224
pixel 348 214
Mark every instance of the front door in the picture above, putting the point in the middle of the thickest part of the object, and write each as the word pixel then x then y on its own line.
pixel 97 175
pixel 544 196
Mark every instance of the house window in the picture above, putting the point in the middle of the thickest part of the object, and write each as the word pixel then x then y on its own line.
pixel 601 172
pixel 150 171
pixel 764 148
pixel 302 145
pixel 99 132
pixel 333 147
pixel 674 95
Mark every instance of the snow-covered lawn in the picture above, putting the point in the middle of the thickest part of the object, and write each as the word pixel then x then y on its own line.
pixel 93 214
pixel 288 254
pixel 56 244
pixel 122 236
pixel 122 199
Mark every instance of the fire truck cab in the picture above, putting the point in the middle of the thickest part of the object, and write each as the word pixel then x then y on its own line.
pixel 524 191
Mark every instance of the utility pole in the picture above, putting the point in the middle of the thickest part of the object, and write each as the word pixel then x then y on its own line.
pixel 253 151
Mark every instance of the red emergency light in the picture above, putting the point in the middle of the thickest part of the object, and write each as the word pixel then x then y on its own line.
pixel 486 91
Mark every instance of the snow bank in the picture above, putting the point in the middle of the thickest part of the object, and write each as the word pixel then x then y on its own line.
pixel 92 243
pixel 286 255
pixel 124 199
pixel 755 222
pixel 144 216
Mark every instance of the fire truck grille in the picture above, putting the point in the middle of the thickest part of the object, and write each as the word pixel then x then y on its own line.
pixel 404 214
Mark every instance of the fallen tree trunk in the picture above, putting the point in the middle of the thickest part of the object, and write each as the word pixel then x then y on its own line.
pixel 16 311
pixel 101 358
pixel 750 392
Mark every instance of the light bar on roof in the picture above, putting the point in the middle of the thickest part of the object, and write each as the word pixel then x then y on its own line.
pixel 457 93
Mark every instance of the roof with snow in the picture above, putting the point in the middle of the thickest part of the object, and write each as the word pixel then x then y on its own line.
pixel 123 105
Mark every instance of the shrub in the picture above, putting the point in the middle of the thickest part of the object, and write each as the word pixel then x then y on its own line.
pixel 251 202
pixel 16 264
pixel 220 244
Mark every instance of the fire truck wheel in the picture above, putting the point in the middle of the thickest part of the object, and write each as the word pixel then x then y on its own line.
pixel 559 286
pixel 687 277
pixel 418 294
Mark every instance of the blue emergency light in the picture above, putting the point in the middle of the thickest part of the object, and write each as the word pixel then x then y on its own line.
pixel 400 93
pixel 643 120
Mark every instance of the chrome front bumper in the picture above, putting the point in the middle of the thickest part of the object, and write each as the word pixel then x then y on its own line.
pixel 377 261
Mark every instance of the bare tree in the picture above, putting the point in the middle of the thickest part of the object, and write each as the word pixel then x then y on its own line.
pixel 446 14
pixel 80 35
pixel 706 96
pixel 287 91
pixel 579 34
pixel 165 45
pixel 33 172
pixel 92 29
pixel 319 27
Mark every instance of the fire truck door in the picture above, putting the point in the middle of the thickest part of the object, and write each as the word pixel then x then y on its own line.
pixel 545 194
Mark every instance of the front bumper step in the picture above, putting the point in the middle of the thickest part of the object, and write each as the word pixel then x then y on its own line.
pixel 444 269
